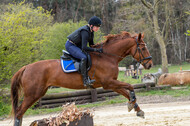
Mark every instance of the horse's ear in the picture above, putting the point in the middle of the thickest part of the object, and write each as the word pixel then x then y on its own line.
pixel 139 37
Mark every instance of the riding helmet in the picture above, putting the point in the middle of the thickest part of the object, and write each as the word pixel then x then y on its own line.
pixel 95 21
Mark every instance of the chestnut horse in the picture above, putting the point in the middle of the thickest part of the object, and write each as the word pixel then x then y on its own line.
pixel 35 78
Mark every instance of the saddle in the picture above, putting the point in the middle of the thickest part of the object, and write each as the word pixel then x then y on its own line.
pixel 71 64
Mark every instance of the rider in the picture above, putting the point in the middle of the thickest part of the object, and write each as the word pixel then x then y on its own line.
pixel 76 45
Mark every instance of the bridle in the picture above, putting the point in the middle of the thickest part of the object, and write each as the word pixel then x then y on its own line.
pixel 141 54
pixel 137 50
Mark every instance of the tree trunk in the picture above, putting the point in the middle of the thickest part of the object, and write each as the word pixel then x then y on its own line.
pixel 158 33
pixel 162 45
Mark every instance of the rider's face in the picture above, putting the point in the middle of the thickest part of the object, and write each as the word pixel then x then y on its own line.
pixel 95 28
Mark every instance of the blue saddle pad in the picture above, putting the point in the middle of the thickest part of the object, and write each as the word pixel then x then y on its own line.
pixel 68 66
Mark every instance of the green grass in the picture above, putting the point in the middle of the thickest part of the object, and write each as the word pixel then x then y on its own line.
pixel 172 68
pixel 128 79
pixel 58 90
pixel 38 111
pixel 184 91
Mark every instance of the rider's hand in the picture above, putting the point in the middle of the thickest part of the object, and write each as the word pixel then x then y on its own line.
pixel 99 50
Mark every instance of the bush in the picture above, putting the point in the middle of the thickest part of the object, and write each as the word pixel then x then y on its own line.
pixel 22 31
pixel 188 32
pixel 5 103
pixel 57 36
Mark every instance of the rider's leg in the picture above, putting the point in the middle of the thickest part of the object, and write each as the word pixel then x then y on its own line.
pixel 77 53
pixel 83 69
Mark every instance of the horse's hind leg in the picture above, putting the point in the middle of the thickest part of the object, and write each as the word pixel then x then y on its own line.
pixel 28 101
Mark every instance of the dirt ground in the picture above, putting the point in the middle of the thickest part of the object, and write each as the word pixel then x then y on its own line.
pixel 159 111
pixel 159 114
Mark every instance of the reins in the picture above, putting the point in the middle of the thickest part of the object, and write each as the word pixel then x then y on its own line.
pixel 113 55
pixel 104 52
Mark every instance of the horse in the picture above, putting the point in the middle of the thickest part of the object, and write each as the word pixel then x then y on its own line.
pixel 34 79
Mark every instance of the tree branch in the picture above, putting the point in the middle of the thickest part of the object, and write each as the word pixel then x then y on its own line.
pixel 156 3
pixel 149 17
pixel 146 4
pixel 164 27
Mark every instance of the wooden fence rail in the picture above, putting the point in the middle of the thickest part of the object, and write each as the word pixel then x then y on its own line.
pixel 85 96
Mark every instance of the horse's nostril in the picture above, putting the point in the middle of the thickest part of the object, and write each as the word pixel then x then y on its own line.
pixel 149 66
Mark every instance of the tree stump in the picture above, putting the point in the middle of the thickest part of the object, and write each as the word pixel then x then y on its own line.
pixel 86 120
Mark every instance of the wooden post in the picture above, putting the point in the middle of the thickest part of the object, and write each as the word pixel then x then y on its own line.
pixel 93 95
pixel 148 86
pixel 39 103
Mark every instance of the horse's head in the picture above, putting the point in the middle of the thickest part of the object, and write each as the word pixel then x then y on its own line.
pixel 140 52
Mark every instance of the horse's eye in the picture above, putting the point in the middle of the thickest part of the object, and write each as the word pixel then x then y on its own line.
pixel 143 49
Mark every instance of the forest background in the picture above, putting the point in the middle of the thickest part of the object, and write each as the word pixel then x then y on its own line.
pixel 34 30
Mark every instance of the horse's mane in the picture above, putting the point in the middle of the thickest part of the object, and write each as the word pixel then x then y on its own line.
pixel 111 37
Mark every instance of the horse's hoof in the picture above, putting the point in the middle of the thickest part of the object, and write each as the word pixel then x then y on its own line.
pixel 130 106
pixel 140 114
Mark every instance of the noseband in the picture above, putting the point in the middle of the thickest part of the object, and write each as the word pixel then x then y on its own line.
pixel 141 54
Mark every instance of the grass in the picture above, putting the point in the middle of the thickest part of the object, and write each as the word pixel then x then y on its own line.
pixel 184 91
pixel 172 68
pixel 58 90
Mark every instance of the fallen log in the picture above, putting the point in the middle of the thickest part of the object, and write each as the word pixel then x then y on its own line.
pixel 67 94
pixel 136 86
pixel 87 92
pixel 60 104
pixel 109 94
pixel 173 79
pixel 62 100
pixel 161 87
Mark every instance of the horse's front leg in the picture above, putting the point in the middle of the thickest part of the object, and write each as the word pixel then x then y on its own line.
pixel 120 87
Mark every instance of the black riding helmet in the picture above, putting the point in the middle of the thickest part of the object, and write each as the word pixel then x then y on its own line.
pixel 95 21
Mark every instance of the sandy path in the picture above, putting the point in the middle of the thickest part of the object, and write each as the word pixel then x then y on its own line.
pixel 159 114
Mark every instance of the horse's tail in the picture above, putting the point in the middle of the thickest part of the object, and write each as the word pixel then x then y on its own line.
pixel 15 87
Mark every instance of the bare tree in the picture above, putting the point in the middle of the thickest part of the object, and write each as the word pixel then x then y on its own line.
pixel 152 9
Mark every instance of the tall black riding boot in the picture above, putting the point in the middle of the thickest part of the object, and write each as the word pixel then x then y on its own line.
pixel 86 79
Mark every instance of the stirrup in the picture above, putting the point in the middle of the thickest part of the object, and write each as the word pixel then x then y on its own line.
pixel 91 81
pixel 88 82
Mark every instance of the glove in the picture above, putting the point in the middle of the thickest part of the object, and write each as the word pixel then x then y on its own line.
pixel 99 50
